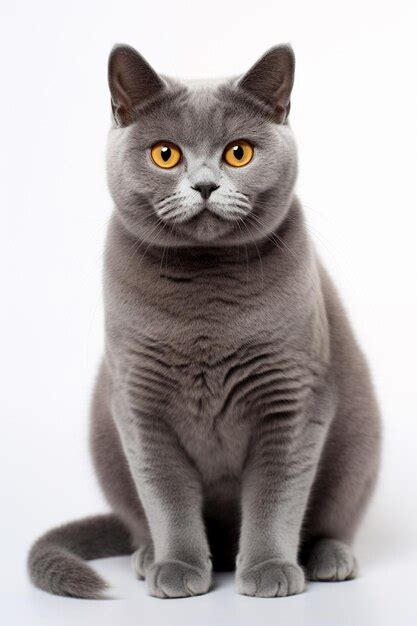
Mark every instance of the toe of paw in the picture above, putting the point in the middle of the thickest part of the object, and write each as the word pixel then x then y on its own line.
pixel 331 561
pixel 175 579
pixel 271 579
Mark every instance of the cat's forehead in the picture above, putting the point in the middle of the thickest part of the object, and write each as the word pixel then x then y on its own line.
pixel 198 84
pixel 207 111
pixel 204 112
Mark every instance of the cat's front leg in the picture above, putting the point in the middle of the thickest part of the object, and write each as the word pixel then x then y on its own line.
pixel 275 489
pixel 171 494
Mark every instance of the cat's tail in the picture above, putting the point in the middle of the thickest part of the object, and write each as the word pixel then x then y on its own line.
pixel 56 560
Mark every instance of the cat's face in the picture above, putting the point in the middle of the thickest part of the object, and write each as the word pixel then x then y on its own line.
pixel 199 163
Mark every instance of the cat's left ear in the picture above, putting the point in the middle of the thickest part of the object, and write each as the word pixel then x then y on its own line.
pixel 271 80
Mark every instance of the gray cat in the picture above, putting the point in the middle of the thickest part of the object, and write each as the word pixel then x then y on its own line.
pixel 234 424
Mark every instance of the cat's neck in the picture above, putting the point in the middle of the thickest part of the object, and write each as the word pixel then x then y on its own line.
pixel 280 242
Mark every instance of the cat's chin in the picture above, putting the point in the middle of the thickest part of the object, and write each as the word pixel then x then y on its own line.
pixel 206 227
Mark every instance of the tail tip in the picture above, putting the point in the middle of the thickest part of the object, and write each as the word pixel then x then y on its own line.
pixel 61 573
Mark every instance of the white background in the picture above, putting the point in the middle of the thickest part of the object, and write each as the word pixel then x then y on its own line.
pixel 354 115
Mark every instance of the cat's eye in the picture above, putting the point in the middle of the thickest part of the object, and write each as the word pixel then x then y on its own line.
pixel 165 154
pixel 238 153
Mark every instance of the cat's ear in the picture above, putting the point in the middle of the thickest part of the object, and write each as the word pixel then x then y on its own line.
pixel 132 82
pixel 271 79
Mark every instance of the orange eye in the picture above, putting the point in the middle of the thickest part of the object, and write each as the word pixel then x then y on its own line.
pixel 165 154
pixel 238 153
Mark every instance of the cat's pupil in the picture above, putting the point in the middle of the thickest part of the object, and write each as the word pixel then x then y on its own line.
pixel 166 153
pixel 238 152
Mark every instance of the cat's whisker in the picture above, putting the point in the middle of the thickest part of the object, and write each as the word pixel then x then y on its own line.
pixel 239 221
pixel 257 250
pixel 274 235
pixel 152 241
pixel 229 212
pixel 141 241
pixel 167 199
pixel 265 234
pixel 167 206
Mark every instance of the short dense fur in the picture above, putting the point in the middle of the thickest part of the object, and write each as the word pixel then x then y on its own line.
pixel 233 420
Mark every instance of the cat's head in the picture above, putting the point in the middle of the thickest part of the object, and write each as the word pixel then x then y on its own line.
pixel 194 163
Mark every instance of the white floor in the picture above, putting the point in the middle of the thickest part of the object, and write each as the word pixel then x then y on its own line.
pixel 384 594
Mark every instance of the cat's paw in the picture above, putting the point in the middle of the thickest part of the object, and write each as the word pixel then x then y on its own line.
pixel 142 559
pixel 331 560
pixel 176 579
pixel 270 579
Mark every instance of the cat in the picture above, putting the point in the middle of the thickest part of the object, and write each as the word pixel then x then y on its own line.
pixel 234 423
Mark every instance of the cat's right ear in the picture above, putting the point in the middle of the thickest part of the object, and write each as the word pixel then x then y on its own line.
pixel 132 82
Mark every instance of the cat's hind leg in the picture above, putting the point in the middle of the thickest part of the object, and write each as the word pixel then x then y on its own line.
pixel 331 560
pixel 344 483
pixel 112 468
pixel 142 559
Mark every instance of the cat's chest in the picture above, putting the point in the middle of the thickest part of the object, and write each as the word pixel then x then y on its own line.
pixel 210 388
pixel 211 364
pixel 212 393
pixel 185 379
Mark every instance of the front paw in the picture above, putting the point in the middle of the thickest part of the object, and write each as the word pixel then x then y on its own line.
pixel 176 579
pixel 270 579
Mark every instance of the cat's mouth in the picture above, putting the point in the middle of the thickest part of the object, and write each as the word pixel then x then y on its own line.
pixel 206 226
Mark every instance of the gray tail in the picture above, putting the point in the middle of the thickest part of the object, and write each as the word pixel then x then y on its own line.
pixel 56 560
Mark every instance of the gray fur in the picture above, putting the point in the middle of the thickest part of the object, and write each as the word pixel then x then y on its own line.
pixel 233 420
pixel 56 559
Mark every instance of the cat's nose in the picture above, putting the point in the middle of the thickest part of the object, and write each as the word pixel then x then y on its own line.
pixel 206 189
